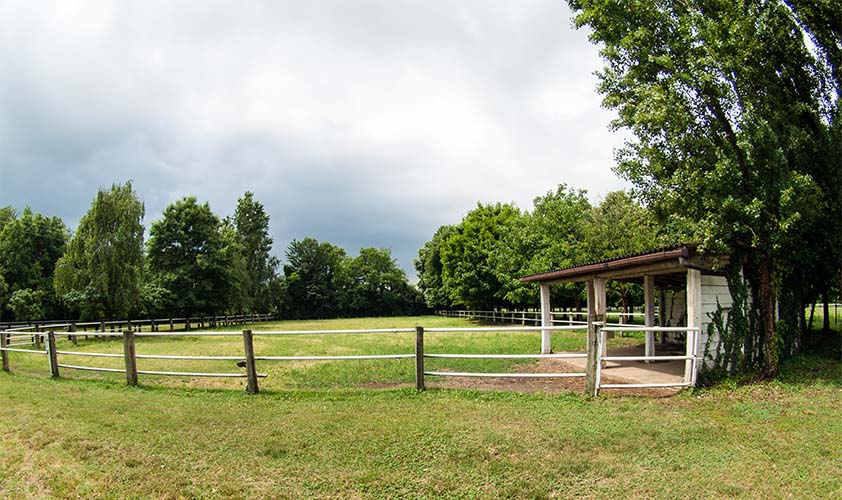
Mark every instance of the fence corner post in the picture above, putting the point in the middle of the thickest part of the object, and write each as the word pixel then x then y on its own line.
pixel 419 358
pixel 594 364
pixel 4 341
pixel 251 370
pixel 130 356
pixel 52 354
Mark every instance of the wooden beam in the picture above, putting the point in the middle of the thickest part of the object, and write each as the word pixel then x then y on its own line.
pixel 4 340
pixel 130 356
pixel 596 314
pixel 52 354
pixel 251 369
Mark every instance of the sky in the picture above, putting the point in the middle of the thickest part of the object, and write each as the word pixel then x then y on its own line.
pixel 362 123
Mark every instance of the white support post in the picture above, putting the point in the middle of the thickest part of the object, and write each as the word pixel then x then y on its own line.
pixel 694 319
pixel 649 300
pixel 546 319
pixel 601 309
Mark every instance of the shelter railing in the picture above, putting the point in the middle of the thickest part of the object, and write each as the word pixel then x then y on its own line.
pixel 690 357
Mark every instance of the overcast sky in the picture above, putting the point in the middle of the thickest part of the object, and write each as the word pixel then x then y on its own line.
pixel 362 123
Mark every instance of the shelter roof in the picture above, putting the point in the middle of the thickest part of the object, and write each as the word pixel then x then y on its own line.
pixel 665 261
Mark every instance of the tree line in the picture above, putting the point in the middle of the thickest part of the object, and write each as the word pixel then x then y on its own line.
pixel 477 264
pixel 193 263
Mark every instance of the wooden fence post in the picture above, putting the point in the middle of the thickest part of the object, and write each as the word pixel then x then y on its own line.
pixel 251 370
pixel 4 341
pixel 130 357
pixel 72 329
pixel 52 354
pixel 419 358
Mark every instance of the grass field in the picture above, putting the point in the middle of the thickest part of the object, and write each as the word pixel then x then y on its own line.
pixel 315 433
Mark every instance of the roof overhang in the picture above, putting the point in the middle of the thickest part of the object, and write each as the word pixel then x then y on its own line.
pixel 662 262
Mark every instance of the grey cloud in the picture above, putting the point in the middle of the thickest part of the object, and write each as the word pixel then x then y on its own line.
pixel 365 123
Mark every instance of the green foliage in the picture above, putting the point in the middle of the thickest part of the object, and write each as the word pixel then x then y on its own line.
pixel 4 292
pixel 314 279
pixel 468 270
pixel 547 238
pixel 732 115
pixel 428 265
pixel 377 286
pixel 479 262
pixel 251 224
pixel 27 304
pixel 188 256
pixel 30 245
pixel 100 276
pixel 321 281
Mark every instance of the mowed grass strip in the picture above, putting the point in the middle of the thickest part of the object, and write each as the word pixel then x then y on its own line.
pixel 317 435
pixel 72 439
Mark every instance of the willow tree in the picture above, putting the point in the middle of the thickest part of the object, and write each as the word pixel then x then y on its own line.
pixel 730 108
pixel 100 275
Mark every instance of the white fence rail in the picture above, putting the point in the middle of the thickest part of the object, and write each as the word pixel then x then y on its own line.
pixel 690 357
pixel 248 358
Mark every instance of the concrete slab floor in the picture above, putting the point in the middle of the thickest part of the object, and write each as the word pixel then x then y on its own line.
pixel 641 372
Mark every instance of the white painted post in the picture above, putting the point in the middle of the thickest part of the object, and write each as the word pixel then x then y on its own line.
pixel 601 309
pixel 546 319
pixel 649 300
pixel 694 319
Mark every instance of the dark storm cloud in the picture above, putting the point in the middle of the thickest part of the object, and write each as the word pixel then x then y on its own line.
pixel 363 123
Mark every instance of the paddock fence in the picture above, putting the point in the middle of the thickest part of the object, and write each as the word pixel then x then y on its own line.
pixel 248 359
pixel 24 333
pixel 528 316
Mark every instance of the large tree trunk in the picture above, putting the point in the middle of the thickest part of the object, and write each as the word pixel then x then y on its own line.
pixel 769 336
pixel 812 314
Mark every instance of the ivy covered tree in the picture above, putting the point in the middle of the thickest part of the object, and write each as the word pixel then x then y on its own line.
pixel 100 276
pixel 732 115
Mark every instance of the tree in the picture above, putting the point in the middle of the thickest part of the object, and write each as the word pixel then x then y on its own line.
pixel 377 285
pixel 726 103
pixel 4 293
pixel 27 304
pixel 101 273
pixel 428 265
pixel 251 224
pixel 187 256
pixel 548 237
pixel 30 245
pixel 315 280
pixel 468 271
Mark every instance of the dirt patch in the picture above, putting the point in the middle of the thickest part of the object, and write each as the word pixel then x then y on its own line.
pixel 531 385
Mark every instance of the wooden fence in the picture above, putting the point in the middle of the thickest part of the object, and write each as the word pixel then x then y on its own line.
pixel 526 316
pixel 248 358
pixel 22 333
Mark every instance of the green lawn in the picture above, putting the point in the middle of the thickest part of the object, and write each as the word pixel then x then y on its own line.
pixel 314 433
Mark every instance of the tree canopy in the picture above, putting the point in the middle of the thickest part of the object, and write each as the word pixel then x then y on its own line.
pixel 732 114
pixel 30 245
pixel 100 276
